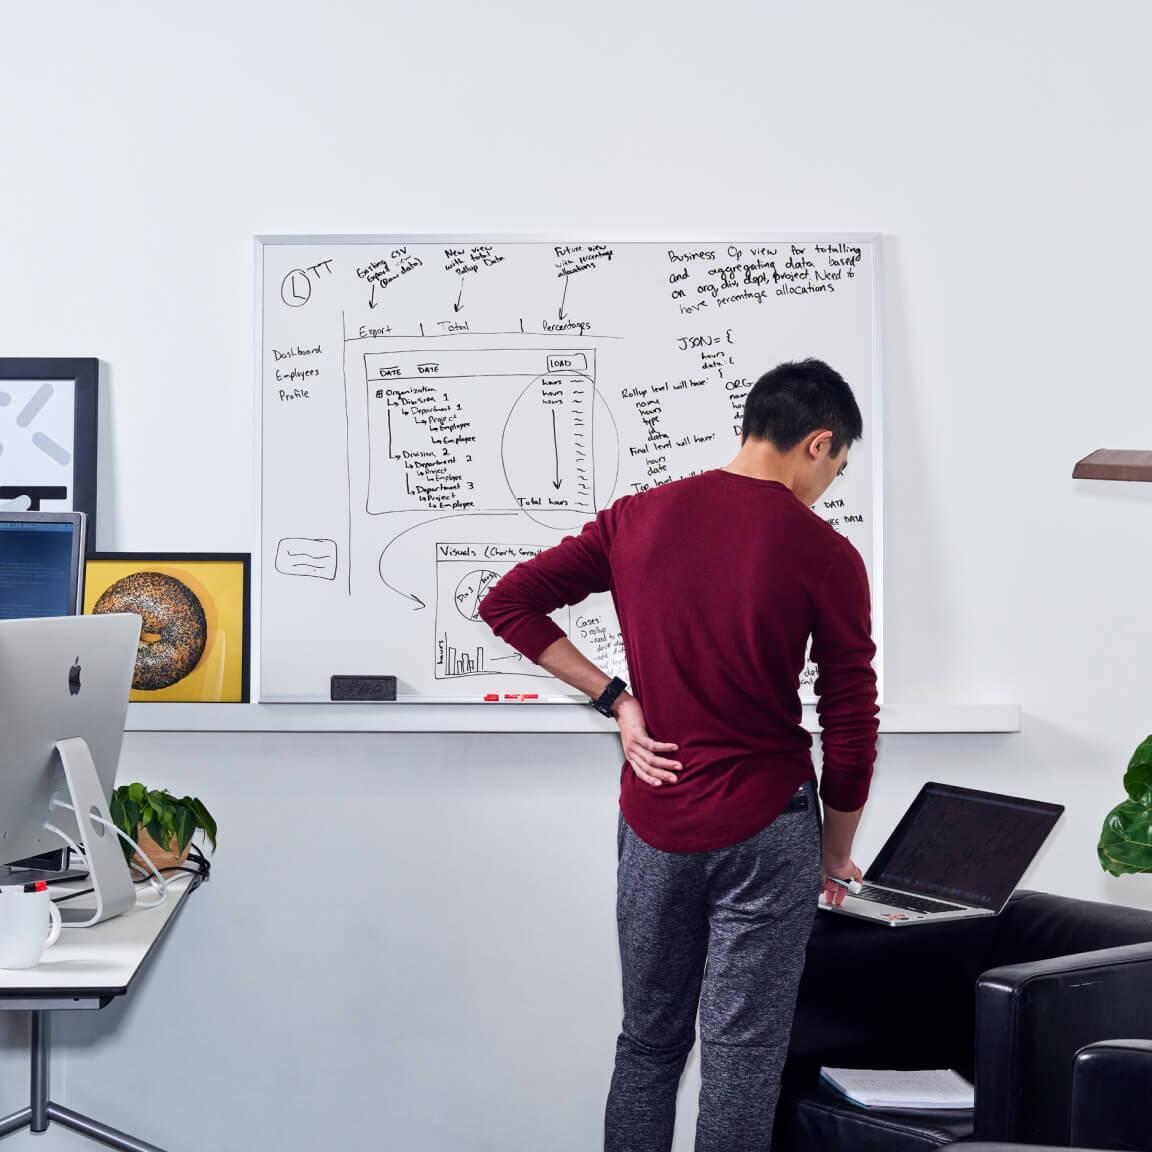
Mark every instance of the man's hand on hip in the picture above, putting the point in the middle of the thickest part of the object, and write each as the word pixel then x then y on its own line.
pixel 566 662
pixel 645 755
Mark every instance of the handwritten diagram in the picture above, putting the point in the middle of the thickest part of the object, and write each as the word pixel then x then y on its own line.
pixel 434 412
pixel 488 428
pixel 465 645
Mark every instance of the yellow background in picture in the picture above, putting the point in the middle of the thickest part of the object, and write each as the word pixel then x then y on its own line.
pixel 219 586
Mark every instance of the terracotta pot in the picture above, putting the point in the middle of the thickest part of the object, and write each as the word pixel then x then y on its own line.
pixel 161 857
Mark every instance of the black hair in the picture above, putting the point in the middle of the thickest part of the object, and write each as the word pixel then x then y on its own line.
pixel 797 398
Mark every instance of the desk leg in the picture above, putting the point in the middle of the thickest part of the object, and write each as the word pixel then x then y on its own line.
pixel 40 1041
pixel 15 1122
pixel 42 1110
pixel 96 1131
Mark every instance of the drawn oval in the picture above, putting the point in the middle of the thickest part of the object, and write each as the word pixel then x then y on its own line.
pixel 560 450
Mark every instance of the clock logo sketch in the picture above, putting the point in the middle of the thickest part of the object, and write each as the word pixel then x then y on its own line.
pixel 296 288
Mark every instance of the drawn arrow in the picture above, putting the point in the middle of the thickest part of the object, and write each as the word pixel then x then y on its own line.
pixel 556 452
pixel 407 596
pixel 563 298
pixel 435 520
pixel 372 298
pixel 457 306
pixel 515 656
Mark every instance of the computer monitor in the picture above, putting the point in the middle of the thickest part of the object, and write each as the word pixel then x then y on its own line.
pixel 41 564
pixel 41 574
pixel 64 685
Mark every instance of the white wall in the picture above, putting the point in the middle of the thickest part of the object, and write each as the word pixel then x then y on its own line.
pixel 442 975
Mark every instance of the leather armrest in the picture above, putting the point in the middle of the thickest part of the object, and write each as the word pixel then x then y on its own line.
pixel 1032 1019
pixel 1109 1106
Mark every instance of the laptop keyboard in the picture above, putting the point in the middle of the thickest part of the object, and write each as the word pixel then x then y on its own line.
pixel 900 900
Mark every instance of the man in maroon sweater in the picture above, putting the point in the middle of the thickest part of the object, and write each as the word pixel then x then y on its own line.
pixel 719 581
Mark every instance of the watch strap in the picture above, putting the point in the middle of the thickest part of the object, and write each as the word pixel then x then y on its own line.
pixel 603 703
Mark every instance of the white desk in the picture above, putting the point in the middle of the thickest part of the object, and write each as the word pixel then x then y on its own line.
pixel 86 969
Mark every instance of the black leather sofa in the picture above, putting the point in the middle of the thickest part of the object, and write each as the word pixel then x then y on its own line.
pixel 1110 1082
pixel 1007 1001
pixel 1111 1092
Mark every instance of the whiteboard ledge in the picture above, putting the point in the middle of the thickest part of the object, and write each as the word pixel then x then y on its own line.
pixel 500 718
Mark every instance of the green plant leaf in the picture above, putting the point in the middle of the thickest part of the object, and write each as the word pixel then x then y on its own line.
pixel 120 812
pixel 132 812
pixel 167 809
pixel 185 823
pixel 1138 778
pixel 159 833
pixel 137 792
pixel 150 818
pixel 203 818
pixel 1126 839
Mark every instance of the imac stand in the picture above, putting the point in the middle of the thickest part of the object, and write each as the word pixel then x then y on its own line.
pixel 107 871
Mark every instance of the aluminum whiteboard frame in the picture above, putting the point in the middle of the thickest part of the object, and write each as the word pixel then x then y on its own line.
pixel 874 239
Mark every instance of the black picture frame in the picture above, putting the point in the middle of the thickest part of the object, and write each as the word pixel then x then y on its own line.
pixel 84 374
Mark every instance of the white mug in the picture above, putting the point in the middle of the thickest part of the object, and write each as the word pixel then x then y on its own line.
pixel 29 923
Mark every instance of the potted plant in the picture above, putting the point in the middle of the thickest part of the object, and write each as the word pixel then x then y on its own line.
pixel 1126 840
pixel 160 823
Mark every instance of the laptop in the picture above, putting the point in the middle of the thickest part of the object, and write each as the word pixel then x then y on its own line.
pixel 957 853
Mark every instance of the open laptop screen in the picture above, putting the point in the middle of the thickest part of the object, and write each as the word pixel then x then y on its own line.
pixel 960 844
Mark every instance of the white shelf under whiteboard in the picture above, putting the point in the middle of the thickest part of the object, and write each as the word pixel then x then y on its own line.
pixel 501 718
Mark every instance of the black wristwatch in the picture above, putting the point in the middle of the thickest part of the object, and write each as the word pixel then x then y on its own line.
pixel 608 697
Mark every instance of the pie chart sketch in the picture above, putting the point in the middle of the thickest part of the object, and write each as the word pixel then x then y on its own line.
pixel 471 590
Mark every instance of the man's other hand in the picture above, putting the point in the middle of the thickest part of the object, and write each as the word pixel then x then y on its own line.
pixel 843 868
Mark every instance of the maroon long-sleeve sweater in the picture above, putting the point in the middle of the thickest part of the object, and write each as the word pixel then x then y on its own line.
pixel 718 581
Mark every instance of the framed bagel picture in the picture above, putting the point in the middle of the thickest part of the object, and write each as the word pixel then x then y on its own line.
pixel 195 613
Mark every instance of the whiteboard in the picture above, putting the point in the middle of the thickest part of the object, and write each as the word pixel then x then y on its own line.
pixel 435 409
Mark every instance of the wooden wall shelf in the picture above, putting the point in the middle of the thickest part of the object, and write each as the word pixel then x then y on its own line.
pixel 1114 464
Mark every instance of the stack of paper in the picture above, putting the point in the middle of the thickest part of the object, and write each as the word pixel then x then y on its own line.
pixel 895 1088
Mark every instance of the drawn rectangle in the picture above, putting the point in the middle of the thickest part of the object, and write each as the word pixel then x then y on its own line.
pixel 304 556
pixel 447 429
pixel 465 646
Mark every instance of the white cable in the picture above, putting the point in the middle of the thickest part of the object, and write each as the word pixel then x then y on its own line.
pixel 157 882
pixel 69 841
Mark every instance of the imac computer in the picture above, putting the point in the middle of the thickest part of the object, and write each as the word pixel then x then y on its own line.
pixel 41 564
pixel 64 685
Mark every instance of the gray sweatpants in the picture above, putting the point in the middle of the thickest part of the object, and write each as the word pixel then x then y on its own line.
pixel 725 931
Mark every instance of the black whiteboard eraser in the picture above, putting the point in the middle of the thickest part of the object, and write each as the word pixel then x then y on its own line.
pixel 369 689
